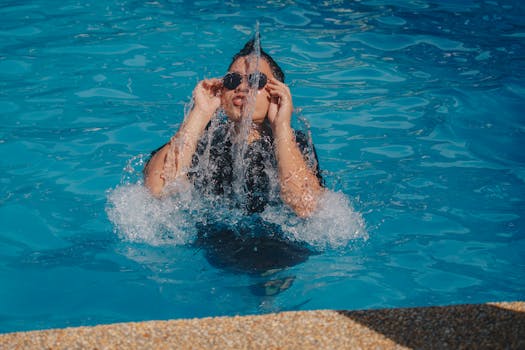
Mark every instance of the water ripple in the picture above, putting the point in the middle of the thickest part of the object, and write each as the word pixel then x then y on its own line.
pixel 363 74
pixel 105 92
pixel 394 42
pixel 115 49
pixel 14 67
pixel 391 151
pixel 392 20
pixel 21 31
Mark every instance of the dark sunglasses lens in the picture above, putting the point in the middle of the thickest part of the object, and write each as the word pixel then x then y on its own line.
pixel 231 80
pixel 253 80
pixel 262 80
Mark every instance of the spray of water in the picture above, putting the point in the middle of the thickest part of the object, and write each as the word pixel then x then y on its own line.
pixel 138 217
pixel 241 136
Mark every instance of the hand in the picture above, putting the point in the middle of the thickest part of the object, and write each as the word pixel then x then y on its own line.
pixel 206 97
pixel 281 106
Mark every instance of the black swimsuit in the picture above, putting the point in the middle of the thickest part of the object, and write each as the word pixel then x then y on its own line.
pixel 217 176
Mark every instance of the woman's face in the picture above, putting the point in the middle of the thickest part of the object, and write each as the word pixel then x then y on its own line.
pixel 236 103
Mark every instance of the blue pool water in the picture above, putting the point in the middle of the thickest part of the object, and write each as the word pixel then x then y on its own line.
pixel 416 109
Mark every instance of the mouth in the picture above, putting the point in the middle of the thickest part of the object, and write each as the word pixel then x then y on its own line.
pixel 239 100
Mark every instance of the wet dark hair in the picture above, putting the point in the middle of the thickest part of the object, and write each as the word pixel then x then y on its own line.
pixel 249 48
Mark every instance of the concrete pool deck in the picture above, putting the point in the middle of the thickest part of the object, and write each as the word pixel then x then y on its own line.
pixel 481 326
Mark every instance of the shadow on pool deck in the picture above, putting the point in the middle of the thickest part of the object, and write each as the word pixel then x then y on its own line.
pixel 451 327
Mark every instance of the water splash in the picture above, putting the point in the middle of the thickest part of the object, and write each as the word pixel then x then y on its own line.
pixel 240 140
pixel 334 224
pixel 138 217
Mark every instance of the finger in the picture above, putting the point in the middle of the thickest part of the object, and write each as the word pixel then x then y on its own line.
pixel 275 81
pixel 213 86
pixel 212 83
pixel 277 92
pixel 272 109
pixel 275 85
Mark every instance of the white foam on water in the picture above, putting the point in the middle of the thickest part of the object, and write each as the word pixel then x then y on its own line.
pixel 139 217
pixel 334 224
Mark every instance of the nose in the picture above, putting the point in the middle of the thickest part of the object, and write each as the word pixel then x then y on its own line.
pixel 243 86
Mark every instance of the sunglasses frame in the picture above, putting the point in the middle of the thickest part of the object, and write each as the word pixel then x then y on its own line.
pixel 233 79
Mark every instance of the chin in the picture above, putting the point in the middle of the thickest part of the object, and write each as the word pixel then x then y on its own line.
pixel 235 119
pixel 234 116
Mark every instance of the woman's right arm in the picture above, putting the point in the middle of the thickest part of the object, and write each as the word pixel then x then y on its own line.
pixel 172 161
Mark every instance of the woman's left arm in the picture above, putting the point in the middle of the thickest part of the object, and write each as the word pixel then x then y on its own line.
pixel 300 186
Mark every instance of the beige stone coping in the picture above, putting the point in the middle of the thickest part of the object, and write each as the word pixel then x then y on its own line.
pixel 482 326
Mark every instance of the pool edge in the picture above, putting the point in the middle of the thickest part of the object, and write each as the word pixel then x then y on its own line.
pixel 490 325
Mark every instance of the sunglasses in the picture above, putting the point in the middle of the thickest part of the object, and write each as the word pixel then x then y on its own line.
pixel 232 80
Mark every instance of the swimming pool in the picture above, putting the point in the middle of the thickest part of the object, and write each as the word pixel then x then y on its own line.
pixel 415 107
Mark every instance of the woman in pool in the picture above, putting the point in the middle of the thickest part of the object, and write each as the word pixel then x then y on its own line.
pixel 272 143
